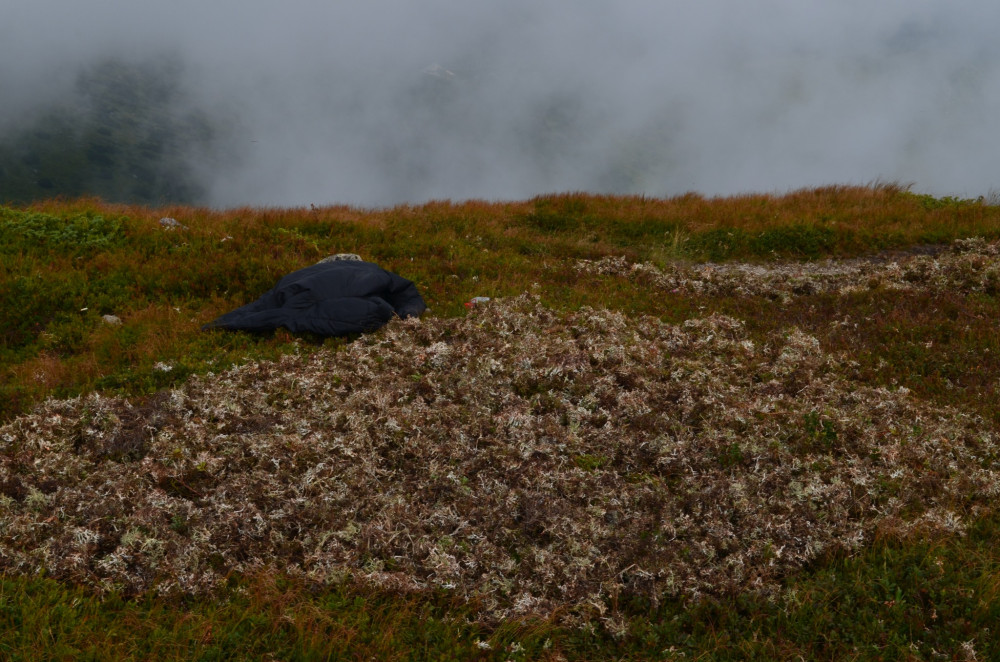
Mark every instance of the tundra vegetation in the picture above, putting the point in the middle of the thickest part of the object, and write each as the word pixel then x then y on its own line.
pixel 759 426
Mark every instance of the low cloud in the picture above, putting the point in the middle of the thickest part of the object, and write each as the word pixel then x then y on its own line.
pixel 388 102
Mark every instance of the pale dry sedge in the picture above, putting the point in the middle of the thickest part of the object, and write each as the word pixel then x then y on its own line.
pixel 532 462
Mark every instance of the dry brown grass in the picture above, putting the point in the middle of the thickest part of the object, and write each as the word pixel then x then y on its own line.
pixel 882 210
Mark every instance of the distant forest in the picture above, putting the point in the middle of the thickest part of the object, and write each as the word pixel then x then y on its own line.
pixel 132 132
pixel 124 136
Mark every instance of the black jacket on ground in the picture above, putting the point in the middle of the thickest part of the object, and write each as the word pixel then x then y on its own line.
pixel 331 299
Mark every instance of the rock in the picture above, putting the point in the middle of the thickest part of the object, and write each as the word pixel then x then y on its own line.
pixel 341 256
pixel 171 223
pixel 113 320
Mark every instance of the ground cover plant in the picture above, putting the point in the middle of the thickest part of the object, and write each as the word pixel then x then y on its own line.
pixel 755 426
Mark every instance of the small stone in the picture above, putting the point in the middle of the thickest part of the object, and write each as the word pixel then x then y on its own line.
pixel 112 320
pixel 341 256
pixel 171 223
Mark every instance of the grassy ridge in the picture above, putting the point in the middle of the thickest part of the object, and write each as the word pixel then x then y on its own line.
pixel 67 264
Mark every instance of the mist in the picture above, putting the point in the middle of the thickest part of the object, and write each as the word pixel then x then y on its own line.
pixel 388 102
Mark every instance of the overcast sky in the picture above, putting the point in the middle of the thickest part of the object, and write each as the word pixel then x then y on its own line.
pixel 387 101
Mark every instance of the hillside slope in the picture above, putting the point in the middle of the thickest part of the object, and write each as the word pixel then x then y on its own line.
pixel 530 461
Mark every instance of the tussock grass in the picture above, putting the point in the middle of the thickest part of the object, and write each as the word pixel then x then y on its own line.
pixel 811 404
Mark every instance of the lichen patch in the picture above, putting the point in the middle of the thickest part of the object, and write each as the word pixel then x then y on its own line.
pixel 527 460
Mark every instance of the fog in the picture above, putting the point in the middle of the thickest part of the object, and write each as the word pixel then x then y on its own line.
pixel 394 101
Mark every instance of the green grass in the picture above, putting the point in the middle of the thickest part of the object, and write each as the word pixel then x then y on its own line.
pixel 263 619
pixel 65 264
pixel 932 599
